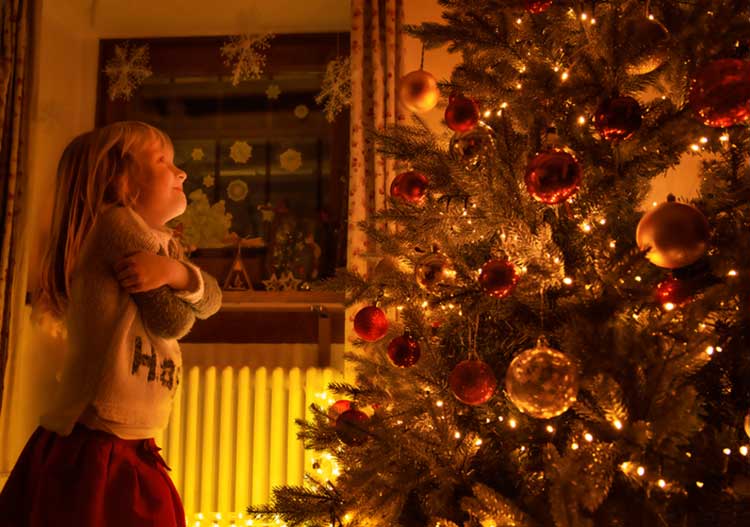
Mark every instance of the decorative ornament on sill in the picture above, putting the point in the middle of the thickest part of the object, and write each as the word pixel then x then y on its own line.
pixel 237 279
pixel 126 70
pixel 285 282
pixel 336 88
pixel 245 55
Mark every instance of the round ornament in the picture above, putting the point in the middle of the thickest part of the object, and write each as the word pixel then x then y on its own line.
pixel 650 45
pixel 419 91
pixel 404 351
pixel 720 93
pixel 351 427
pixel 409 186
pixel 370 323
pixel 462 113
pixel 673 293
pixel 553 176
pixel 472 382
pixel 618 118
pixel 473 148
pixel 674 234
pixel 498 278
pixel 338 408
pixel 537 6
pixel 433 270
pixel 542 382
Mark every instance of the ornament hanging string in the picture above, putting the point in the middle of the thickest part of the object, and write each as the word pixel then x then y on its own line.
pixel 421 60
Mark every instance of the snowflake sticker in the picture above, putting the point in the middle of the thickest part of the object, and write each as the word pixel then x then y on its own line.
pixel 197 154
pixel 336 89
pixel 240 152
pixel 237 190
pixel 290 160
pixel 127 70
pixel 208 181
pixel 273 91
pixel 244 54
pixel 301 111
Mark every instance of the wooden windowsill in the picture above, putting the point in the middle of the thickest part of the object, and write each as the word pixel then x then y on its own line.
pixel 282 301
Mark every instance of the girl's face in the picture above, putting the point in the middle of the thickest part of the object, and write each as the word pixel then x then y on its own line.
pixel 159 181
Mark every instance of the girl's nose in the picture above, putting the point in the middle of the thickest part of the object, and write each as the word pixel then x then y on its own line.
pixel 181 175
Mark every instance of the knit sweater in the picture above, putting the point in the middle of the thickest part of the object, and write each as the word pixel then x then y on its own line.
pixel 123 363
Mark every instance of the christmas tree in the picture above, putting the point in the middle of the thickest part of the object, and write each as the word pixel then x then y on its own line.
pixel 538 348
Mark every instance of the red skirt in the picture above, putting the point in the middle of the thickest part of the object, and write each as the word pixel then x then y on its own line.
pixel 89 479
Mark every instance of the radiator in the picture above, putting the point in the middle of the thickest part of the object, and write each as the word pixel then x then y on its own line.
pixel 232 437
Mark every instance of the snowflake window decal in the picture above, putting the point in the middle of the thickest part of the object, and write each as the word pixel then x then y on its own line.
pixel 336 88
pixel 245 55
pixel 126 70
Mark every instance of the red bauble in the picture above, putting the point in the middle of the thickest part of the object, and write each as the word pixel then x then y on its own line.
pixel 673 293
pixel 553 176
pixel 338 408
pixel 351 427
pixel 498 278
pixel 618 118
pixel 370 323
pixel 537 6
pixel 409 186
pixel 404 351
pixel 472 382
pixel 462 113
pixel 720 93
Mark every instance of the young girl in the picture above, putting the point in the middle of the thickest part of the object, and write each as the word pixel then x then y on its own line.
pixel 118 280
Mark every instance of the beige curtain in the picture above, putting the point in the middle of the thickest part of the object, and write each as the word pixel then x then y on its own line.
pixel 377 64
pixel 15 56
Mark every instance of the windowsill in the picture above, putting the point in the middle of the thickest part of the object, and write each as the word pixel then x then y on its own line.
pixel 294 301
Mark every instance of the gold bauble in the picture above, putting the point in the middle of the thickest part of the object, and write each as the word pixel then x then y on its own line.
pixel 433 270
pixel 419 91
pixel 542 382
pixel 651 42
pixel 675 234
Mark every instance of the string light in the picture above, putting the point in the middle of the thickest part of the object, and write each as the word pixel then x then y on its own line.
pixel 743 450
pixel 588 437
pixel 457 435
pixel 640 471
pixel 699 484
pixel 581 120
pixel 617 424
pixel 550 429
pixel 709 350
pixel 727 451
pixel 724 138
pixel 662 483
pixel 732 273
pixel 512 423
pixel 564 76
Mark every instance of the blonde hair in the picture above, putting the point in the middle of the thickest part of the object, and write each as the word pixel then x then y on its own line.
pixel 97 169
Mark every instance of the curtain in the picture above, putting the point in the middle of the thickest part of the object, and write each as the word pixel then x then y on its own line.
pixel 377 63
pixel 14 59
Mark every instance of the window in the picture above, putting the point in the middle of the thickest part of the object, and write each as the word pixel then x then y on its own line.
pixel 266 171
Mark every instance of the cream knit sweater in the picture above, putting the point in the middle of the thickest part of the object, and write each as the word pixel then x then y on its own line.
pixel 123 363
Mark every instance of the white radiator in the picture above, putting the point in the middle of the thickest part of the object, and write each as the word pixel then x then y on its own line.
pixel 232 437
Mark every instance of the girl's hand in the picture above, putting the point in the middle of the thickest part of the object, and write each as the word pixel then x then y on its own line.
pixel 144 271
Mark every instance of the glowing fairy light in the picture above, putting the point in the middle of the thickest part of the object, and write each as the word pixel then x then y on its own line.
pixel 640 471
pixel 617 424
pixel 567 280
pixel 662 483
